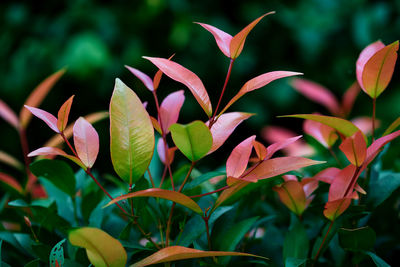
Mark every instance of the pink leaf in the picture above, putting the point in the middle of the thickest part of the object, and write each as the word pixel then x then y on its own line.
pixel 349 98
pixel 239 158
pixel 309 186
pixel 162 154
pixel 365 55
pixel 327 175
pixel 365 124
pixel 225 126
pixel 158 76
pixel 334 209
pixel 318 94
pixel 53 151
pixel 11 182
pixel 340 186
pixel 280 145
pixel 237 43
pixel 374 149
pixel 324 134
pixel 222 38
pixel 8 115
pixel 86 142
pixel 48 118
pixel 63 114
pixel 170 108
pixel 188 78
pixel 146 80
pixel 258 82
pixel 355 148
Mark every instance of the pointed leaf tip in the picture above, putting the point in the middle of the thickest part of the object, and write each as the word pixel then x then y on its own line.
pixel 146 80
pixel 45 116
pixel 63 113
pixel 222 38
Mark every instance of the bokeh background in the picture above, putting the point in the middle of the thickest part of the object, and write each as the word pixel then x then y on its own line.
pixel 95 39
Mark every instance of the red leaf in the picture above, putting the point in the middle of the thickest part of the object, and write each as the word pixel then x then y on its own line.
pixel 146 80
pixel 271 149
pixel 63 114
pixel 258 82
pixel 365 124
pixel 309 186
pixel 349 98
pixel 86 141
pixel 222 38
pixel 188 78
pixel 327 175
pixel 158 76
pixel 334 209
pixel 354 148
pixel 260 149
pixel 318 94
pixel 9 115
pixel 11 182
pixel 341 183
pixel 291 194
pixel 324 134
pixel 38 95
pixel 225 126
pixel 374 149
pixel 170 108
pixel 48 118
pixel 237 42
pixel 239 158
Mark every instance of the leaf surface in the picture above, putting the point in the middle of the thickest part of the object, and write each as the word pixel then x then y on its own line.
pixel 45 116
pixel 86 141
pixel 222 38
pixel 291 194
pixel 170 108
pixel 146 80
pixel 101 248
pixel 63 113
pixel 355 149
pixel 363 58
pixel 56 258
pixel 132 134
pixel 239 157
pixel 53 151
pixel 335 208
pixel 9 115
pixel 393 126
pixel 11 182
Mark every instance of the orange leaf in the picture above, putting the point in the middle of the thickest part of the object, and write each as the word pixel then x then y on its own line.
pixel 187 77
pixel 38 95
pixel 239 158
pixel 11 182
pixel 291 194
pixel 227 193
pixel 174 253
pixel 334 209
pixel 260 149
pixel 237 42
pixel 349 98
pixel 355 149
pixel 11 161
pixel 53 151
pixel 9 115
pixel 161 193
pixel 156 124
pixel 342 182
pixel 378 71
pixel 63 113
pixel 392 127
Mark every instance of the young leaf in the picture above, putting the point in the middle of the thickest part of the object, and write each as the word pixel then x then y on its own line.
pixel 37 96
pixel 227 193
pixel 146 80
pixel 341 183
pixel 188 78
pixel 225 126
pixel 57 255
pixel 102 249
pixel 48 118
pixel 343 126
pixel 354 148
pixel 9 115
pixel 63 114
pixel 11 182
pixel 132 134
pixel 335 208
pixel 378 70
pixel 162 154
pixel 11 161
pixel 174 253
pixel 53 151
pixel 374 149
pixel 258 82
pixel 260 149
pixel 170 108
pixel 318 94
pixel 392 127
pixel 239 158
pixel 161 193
pixel 194 140
pixel 271 149
pixel 156 124
pixel 237 42
pixel 291 194
pixel 324 134
pixel 158 76
pixel 349 97
pixel 222 38
pixel 86 141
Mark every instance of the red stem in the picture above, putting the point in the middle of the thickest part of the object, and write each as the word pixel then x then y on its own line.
pixel 212 192
pixel 373 118
pixel 323 242
pixel 27 161
pixel 228 75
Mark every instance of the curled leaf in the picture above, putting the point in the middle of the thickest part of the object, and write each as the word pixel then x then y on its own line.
pixel 222 38
pixel 48 118
pixel 86 141
pixel 363 58
pixel 9 115
pixel 170 108
pixel 342 183
pixel 146 80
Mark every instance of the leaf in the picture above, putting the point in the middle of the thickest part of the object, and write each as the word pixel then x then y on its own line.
pixel 63 113
pixel 222 38
pixel 170 108
pixel 101 248
pixel 237 42
pixel 57 172
pixel 294 262
pixel 45 116
pixel 86 141
pixel 374 149
pixel 377 260
pixel 57 255
pixel 296 244
pixel 239 157
pixel 355 149
pixel 227 193
pixel 271 149
pixel 9 115
pixel 260 149
pixel 335 208
pixel 378 70
pixel 132 134
pixel 357 239
pixel 57 140
pixel 291 194
pixel 343 126
pixel 161 152
pixel 276 166
pixel 392 127
pixel 349 97
pixel 224 127
pixel 341 183
pixel 156 124
pixel 53 151
pixel 324 134
pixel 146 80
pixel 11 161
pixel 161 193
pixel 158 76
pixel 174 253
pixel 188 78
pixel 258 82
pixel 194 140
pixel 38 95
pixel 384 183
pixel 11 182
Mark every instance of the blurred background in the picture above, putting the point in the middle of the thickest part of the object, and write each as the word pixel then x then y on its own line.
pixel 95 39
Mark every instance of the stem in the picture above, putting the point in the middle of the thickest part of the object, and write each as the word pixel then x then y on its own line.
pixel 151 178
pixel 373 118
pixel 163 176
pixel 228 74
pixel 208 232
pixel 27 160
pixel 212 192
pixel 187 176
pixel 323 242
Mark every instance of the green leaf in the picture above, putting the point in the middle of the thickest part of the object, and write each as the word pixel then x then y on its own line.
pixel 101 248
pixel 57 255
pixel 377 260
pixel 293 262
pixel 33 263
pixel 296 244
pixel 384 184
pixel 132 134
pixel 202 178
pixel 321 238
pixel 194 140
pixel 357 239
pixel 57 172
